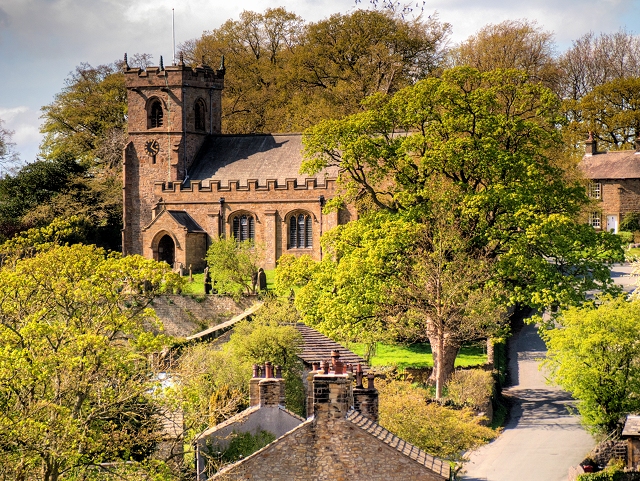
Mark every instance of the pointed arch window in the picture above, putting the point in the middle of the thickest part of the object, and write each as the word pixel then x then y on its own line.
pixel 156 114
pixel 243 227
pixel 300 231
pixel 199 114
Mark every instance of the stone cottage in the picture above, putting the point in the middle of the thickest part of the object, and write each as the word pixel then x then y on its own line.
pixel 186 184
pixel 340 440
pixel 614 181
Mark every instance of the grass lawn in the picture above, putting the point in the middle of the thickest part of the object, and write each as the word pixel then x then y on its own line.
pixel 632 254
pixel 419 355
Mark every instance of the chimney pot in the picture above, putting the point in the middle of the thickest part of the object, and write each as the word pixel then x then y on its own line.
pixel 325 367
pixel 359 375
pixel 315 366
pixel 370 378
pixel 278 372
pixel 591 145
pixel 339 367
pixel 256 370
pixel 268 369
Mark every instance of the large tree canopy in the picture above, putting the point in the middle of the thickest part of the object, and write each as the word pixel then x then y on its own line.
pixel 469 156
pixel 75 387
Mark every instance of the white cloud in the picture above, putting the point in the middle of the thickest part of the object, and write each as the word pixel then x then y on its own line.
pixel 25 124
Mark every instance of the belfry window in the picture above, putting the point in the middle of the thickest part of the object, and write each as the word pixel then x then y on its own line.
pixel 300 231
pixel 199 111
pixel 155 114
pixel 243 227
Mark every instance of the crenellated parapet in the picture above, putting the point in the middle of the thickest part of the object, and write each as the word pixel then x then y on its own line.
pixel 247 186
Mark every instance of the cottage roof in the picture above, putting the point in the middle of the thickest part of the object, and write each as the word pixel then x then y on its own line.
pixel 245 158
pixel 434 464
pixel 631 426
pixel 620 164
pixel 318 347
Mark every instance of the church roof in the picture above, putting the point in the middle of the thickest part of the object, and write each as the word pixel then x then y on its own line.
pixel 244 158
pixel 185 220
pixel 620 164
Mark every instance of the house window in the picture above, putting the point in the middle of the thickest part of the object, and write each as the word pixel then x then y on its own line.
pixel 243 227
pixel 595 189
pixel 155 114
pixel 300 231
pixel 199 110
pixel 594 219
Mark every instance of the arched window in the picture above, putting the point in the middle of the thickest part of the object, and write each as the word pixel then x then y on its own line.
pixel 199 110
pixel 300 231
pixel 155 114
pixel 243 227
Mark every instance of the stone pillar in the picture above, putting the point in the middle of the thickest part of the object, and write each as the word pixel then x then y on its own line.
pixel 213 225
pixel 270 238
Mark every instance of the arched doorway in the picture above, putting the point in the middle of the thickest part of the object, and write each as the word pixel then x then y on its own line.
pixel 167 250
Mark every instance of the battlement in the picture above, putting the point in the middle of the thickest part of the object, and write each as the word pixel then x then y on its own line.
pixel 251 185
pixel 174 75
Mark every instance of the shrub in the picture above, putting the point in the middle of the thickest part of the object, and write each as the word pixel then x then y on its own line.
pixel 440 431
pixel 630 222
pixel 472 388
pixel 625 236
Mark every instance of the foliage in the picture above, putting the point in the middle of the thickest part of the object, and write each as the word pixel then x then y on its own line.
pixel 593 355
pixel 87 120
pixel 470 387
pixel 242 445
pixel 75 386
pixel 518 44
pixel 630 222
pixel 212 383
pixel 8 156
pixel 490 136
pixel 284 74
pixel 231 265
pixel 440 431
pixel 625 237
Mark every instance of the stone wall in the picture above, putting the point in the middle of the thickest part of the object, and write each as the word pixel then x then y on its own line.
pixel 618 197
pixel 183 316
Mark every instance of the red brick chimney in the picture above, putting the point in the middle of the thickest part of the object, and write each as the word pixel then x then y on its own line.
pixel 591 146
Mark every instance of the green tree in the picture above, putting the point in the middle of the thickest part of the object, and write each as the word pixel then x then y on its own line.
pixel 75 387
pixel 479 145
pixel 87 120
pixel 594 355
pixel 519 44
pixel 8 156
pixel 232 264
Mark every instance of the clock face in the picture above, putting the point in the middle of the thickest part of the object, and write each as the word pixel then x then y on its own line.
pixel 152 147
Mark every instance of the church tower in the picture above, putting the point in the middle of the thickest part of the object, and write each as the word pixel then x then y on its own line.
pixel 172 111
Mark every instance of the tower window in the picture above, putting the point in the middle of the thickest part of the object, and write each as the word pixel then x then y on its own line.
pixel 155 114
pixel 300 231
pixel 243 227
pixel 199 110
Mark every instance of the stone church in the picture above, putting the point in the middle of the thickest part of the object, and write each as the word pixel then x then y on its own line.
pixel 186 183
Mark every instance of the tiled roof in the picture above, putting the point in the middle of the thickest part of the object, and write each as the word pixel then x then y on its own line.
pixel 434 464
pixel 185 220
pixel 631 426
pixel 621 164
pixel 253 157
pixel 318 347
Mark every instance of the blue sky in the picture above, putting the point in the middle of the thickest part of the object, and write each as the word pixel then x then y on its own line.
pixel 42 41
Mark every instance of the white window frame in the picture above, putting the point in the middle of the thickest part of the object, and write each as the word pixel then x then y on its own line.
pixel 595 190
pixel 595 220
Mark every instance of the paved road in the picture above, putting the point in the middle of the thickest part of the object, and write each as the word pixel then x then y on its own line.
pixel 542 439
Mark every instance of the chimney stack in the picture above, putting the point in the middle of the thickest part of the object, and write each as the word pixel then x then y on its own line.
pixel 267 390
pixel 591 146
pixel 637 142
pixel 365 401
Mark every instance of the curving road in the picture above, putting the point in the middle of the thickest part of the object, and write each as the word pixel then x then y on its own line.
pixel 542 439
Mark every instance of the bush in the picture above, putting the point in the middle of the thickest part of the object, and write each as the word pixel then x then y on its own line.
pixel 472 388
pixel 625 236
pixel 630 222
pixel 438 430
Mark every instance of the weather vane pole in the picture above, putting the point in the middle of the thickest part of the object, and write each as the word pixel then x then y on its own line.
pixel 173 29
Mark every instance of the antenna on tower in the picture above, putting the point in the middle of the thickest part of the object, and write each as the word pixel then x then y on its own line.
pixel 173 29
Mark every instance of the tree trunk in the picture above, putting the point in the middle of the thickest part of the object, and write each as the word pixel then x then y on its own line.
pixel 444 354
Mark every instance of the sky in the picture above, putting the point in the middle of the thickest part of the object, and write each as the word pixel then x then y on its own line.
pixel 42 41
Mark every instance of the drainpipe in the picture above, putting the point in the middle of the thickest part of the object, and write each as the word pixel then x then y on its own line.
pixel 221 232
pixel 322 202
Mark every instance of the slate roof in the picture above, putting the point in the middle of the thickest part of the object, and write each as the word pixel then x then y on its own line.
pixel 631 426
pixel 252 157
pixel 620 164
pixel 185 220
pixel 434 464
pixel 318 347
